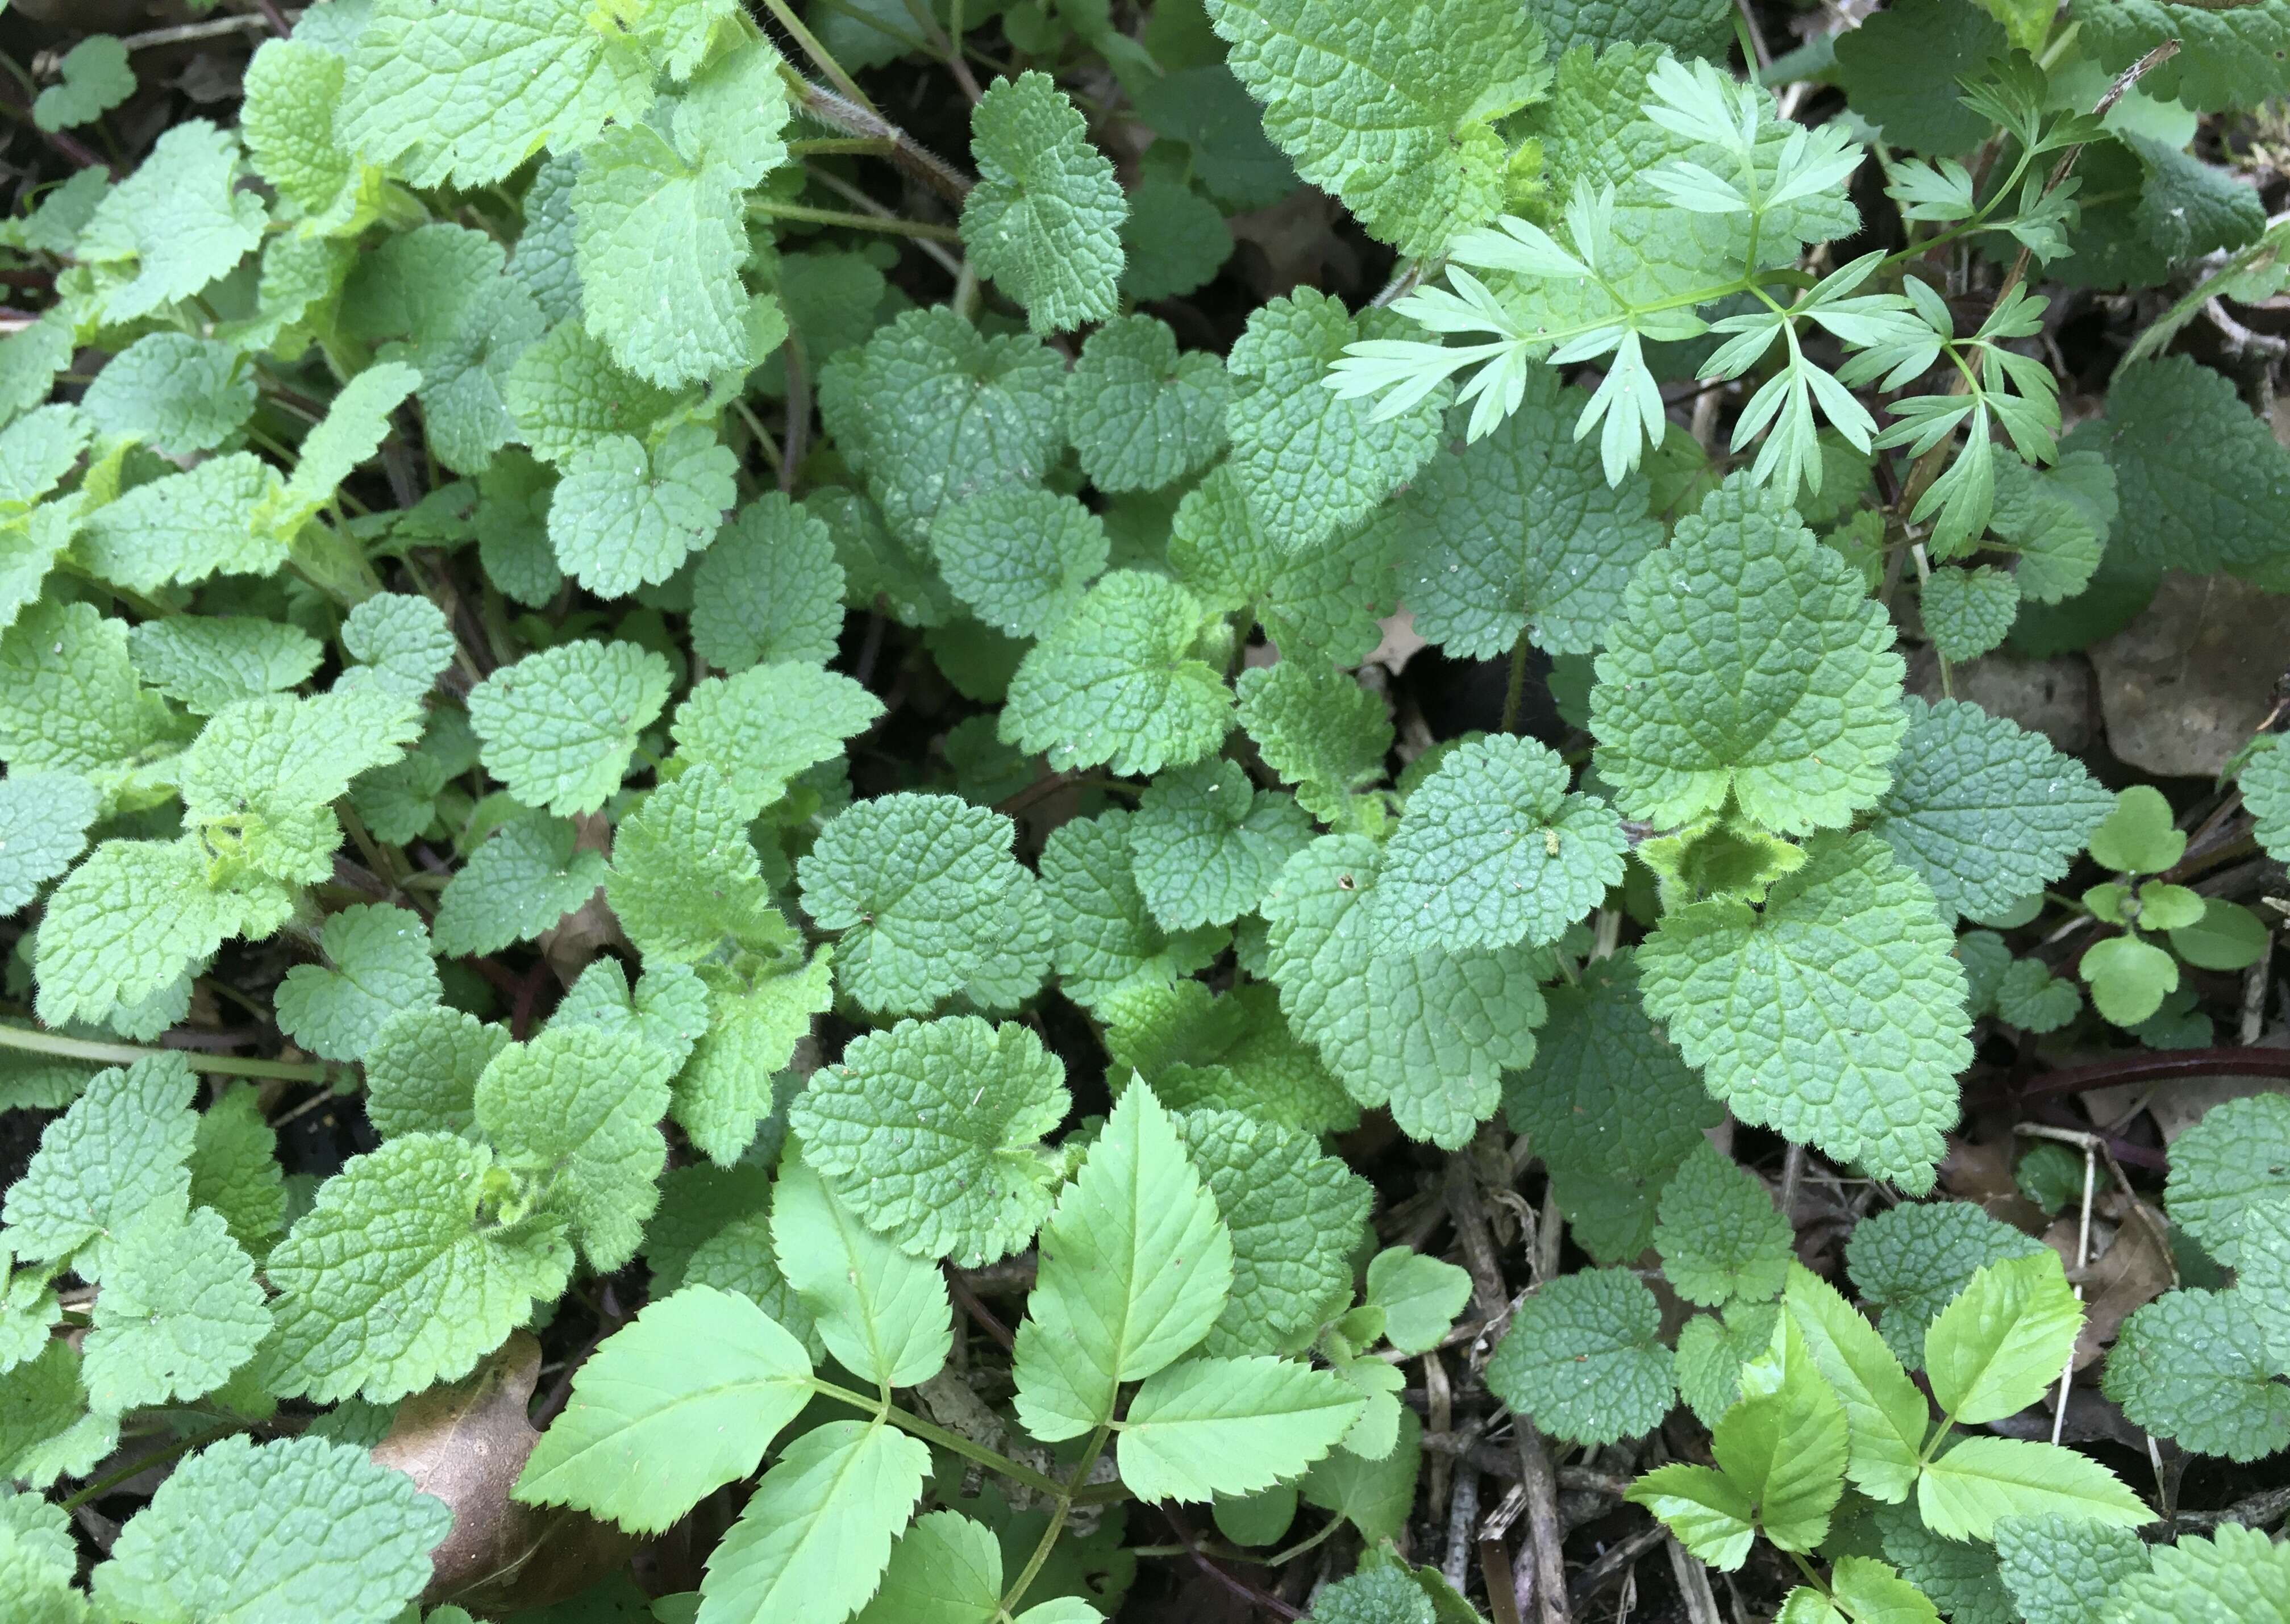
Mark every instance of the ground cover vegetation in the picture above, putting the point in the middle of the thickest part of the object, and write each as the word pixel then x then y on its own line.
pixel 1013 812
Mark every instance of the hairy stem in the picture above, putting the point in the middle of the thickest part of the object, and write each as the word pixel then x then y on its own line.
pixel 127 1054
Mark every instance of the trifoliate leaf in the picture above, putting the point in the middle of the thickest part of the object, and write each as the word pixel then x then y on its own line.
pixel 235 1168
pixel 527 875
pixel 1309 462
pixel 117 1153
pixel 1206 847
pixel 648 1431
pixel 566 394
pixel 1044 220
pixel 179 1312
pixel 1519 532
pixel 400 1275
pixel 1493 851
pixel 1852 945
pixel 1230 1426
pixel 1106 941
pixel 1582 1359
pixel 762 727
pixel 885 1315
pixel 1980 1479
pixel 2193 1366
pixel 768 589
pixel 1747 659
pixel 263 773
pixel 244 1530
pixel 210 661
pixel 378 964
pixel 1318 729
pixel 174 225
pixel 468 93
pixel 911 881
pixel 1908 1261
pixel 2195 472
pixel 1390 108
pixel 1609 1107
pixel 1114 683
pixel 931 1133
pixel 44 823
pixel 932 412
pixel 189 526
pixel 1019 558
pixel 1720 1235
pixel 1135 1267
pixel 2061 1570
pixel 578 1107
pixel 1295 1217
pixel 1141 415
pixel 1966 613
pixel 816 1533
pixel 1984 810
pixel 558 726
pixel 1428 1034
pixel 623 517
pixel 177 393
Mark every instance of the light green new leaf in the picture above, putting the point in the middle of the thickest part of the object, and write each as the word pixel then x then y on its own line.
pixel 1116 682
pixel 379 966
pixel 179 1312
pixel 117 1153
pixel 944 1570
pixel 625 517
pixel 1710 1513
pixel 174 225
pixel 816 1533
pixel 1964 1493
pixel 1886 1418
pixel 1995 1349
pixel 1208 1427
pixel 1786 1449
pixel 649 1429
pixel 1044 219
pixel 762 727
pixel 1910 1262
pixel 558 726
pixel 885 1315
pixel 1420 1297
pixel 1135 1266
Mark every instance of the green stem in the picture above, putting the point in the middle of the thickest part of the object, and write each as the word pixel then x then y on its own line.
pixel 951 1441
pixel 866 145
pixel 1058 1515
pixel 1515 691
pixel 772 210
pixel 817 52
pixel 102 1486
pixel 127 1054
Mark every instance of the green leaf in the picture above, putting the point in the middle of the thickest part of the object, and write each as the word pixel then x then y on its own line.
pixel 1711 1515
pixel 1135 1266
pixel 944 1570
pixel 668 1009
pixel 2227 937
pixel 298 1526
pixel 46 1431
pixel 1966 613
pixel 467 92
pixel 1493 851
pixel 1884 1415
pixel 1910 1262
pixel 529 874
pixel 175 392
pixel 1871 1593
pixel 2196 471
pixel 1694 699
pixel 398 1276
pixel 1317 728
pixel 931 1133
pixel 1786 1449
pixel 117 1153
pixel 1903 74
pixel 1206 847
pixel 1984 810
pixel 1107 944
pixel 578 1108
pixel 1519 532
pixel 816 1533
pixel 1420 1297
pixel 350 434
pixel 1389 107
pixel 882 1313
pixel 1720 1235
pixel 1295 1217
pixel 1713 1350
pixel 2128 978
pixel 558 726
pixel 686 880
pixel 933 413
pixel 2062 1570
pixel 1044 219
pixel 174 225
pixel 1019 558
pixel 1964 1493
pixel 179 1312
pixel 1997 1346
pixel 2194 1366
pixel 1582 1358
pixel 1851 940
pixel 627 515
pixel 756 1015
pixel 1208 1427
pixel 1174 242
pixel 96 79
pixel 381 965
pixel 293 92
pixel 43 822
pixel 1428 1034
pixel 2265 779
pixel 1113 682
pixel 68 698
pixel 1144 416
pixel 2238 1154
pixel 649 1431
pixel 2225 59
pixel 769 723
pixel 2137 837
pixel 189 526
pixel 566 394
pixel 235 1168
pixel 912 882
pixel 768 589
pixel 1307 462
